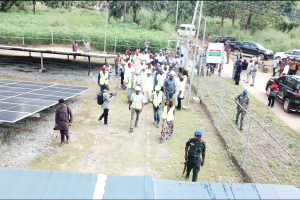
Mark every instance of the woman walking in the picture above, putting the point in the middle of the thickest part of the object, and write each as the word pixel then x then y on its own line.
pixel 74 48
pixel 167 121
pixel 273 93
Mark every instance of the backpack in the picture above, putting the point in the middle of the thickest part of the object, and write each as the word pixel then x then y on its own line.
pixel 100 98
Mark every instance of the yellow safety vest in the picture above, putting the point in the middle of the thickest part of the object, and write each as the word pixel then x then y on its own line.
pixel 136 103
pixel 103 77
pixel 168 115
pixel 129 83
pixel 156 97
pixel 147 83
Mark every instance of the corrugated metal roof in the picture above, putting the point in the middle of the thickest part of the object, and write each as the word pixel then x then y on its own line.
pixel 36 184
pixel 164 189
pixel 129 187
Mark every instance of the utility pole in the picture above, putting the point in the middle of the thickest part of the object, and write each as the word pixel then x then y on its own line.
pixel 176 14
pixel 106 5
pixel 124 21
pixel 193 21
pixel 194 57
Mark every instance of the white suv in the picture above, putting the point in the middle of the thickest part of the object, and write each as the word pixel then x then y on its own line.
pixel 290 53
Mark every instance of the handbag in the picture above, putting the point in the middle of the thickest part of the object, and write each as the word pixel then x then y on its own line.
pixel 273 94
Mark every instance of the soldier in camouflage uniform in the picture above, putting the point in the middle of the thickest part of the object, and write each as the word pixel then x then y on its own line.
pixel 194 147
pixel 243 100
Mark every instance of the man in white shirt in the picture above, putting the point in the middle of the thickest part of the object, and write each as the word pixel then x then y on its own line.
pixel 161 59
pixel 156 102
pixel 181 63
pixel 128 70
pixel 177 85
pixel 137 62
pixel 175 62
pixel 254 73
pixel 148 87
pixel 180 95
pixel 160 79
pixel 248 71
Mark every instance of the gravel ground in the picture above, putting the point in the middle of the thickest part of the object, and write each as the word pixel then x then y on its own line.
pixel 27 138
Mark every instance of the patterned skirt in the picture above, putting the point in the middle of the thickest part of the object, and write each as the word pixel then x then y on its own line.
pixel 167 130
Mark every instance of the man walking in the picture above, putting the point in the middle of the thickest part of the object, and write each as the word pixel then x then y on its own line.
pixel 227 49
pixel 178 52
pixel 148 87
pixel 156 102
pixel 63 119
pixel 161 77
pixel 181 63
pixel 248 71
pixel 105 106
pixel 131 83
pixel 275 64
pixel 194 147
pixel 238 73
pixel 103 78
pixel 177 85
pixel 254 72
pixel 244 70
pixel 169 86
pixel 136 101
pixel 86 47
pixel 180 94
pixel 117 63
pixel 242 102
pixel 293 67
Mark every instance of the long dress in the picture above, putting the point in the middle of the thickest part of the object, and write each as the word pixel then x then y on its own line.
pixel 74 47
pixel 167 128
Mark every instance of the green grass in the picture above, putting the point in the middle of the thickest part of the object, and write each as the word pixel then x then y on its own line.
pixel 68 26
pixel 280 164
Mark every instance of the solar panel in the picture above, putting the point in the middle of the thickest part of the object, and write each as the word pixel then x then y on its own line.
pixel 19 99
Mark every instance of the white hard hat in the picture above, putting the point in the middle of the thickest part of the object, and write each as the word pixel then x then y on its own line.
pixel 157 88
pixel 172 73
pixel 138 88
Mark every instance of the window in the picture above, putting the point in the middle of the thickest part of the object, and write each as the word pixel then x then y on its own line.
pixel 193 29
pixel 289 52
pixel 291 83
pixel 231 38
pixel 297 53
pixel 260 46
pixel 246 44
pixel 253 46
pixel 281 79
pixel 220 39
pixel 187 29
pixel 182 28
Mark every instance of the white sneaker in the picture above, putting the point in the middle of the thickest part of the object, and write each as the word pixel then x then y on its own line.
pixel 100 121
pixel 106 124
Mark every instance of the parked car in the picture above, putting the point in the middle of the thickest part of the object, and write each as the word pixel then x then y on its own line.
pixel 224 38
pixel 290 53
pixel 289 92
pixel 184 30
pixel 253 49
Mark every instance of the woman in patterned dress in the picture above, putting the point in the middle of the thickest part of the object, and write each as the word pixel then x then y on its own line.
pixel 167 121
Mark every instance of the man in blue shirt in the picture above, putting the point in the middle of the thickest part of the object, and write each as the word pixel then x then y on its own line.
pixel 275 63
pixel 169 86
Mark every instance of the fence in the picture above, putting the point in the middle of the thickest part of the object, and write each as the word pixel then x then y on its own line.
pixel 96 40
pixel 273 152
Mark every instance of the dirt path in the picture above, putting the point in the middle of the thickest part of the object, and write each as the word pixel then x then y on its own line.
pixel 291 119
pixel 113 150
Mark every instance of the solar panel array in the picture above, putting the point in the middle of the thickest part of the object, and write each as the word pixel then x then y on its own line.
pixel 20 99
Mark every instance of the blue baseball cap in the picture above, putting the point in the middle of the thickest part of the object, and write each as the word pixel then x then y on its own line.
pixel 198 133
pixel 177 47
pixel 245 92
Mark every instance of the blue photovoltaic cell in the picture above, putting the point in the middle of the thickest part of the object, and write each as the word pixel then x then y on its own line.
pixel 21 98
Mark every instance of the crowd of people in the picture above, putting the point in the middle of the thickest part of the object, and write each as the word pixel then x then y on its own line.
pixel 150 80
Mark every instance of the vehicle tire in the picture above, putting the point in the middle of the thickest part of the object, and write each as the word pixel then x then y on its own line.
pixel 286 105
pixel 262 57
pixel 268 91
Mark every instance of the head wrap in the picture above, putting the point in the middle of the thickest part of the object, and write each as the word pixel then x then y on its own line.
pixel 198 133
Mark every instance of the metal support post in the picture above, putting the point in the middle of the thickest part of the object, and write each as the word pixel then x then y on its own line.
pixel 105 28
pixel 52 36
pixel 247 140
pixel 115 44
pixel 29 53
pixel 194 60
pixel 82 39
pixel 194 17
pixel 23 37
pixel 68 57
pixel 201 61
pixel 204 77
pixel 220 106
pixel 89 65
pixel 176 14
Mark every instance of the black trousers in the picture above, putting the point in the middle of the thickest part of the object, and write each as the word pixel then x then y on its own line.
pixel 292 72
pixel 64 133
pixel 179 103
pixel 105 115
pixel 271 101
pixel 274 72
pixel 237 78
pixel 122 78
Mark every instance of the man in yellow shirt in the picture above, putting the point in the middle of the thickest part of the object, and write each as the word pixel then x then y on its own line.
pixel 136 106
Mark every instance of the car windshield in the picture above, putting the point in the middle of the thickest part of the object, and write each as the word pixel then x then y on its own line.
pixel 259 46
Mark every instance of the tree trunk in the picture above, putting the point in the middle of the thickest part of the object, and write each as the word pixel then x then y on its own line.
pixel 134 13
pixel 249 21
pixel 70 5
pixel 124 20
pixel 223 16
pixel 33 3
pixel 233 18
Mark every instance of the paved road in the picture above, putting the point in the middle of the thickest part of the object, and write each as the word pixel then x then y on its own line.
pixel 291 119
